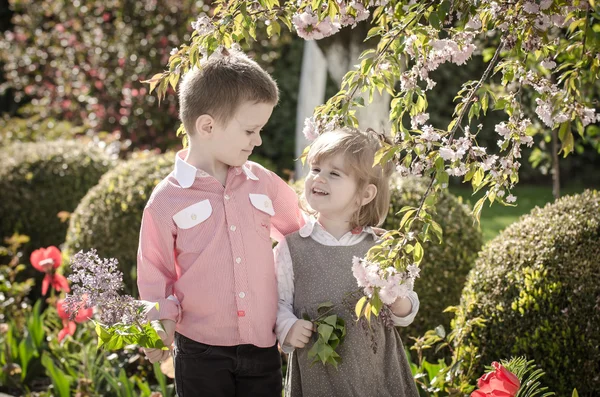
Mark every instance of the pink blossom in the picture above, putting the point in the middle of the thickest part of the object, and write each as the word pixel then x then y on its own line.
pixel 387 295
pixel 308 26
pixel 359 272
pixel 474 23
pixel 531 8
pixel 548 63
pixel 419 119
pixel 429 134
pixel 545 4
pixel 310 130
pixel 447 154
pixel 203 25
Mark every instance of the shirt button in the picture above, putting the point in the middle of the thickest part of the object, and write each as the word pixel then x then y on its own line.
pixel 238 260
pixel 227 197
pixel 242 295
pixel 232 228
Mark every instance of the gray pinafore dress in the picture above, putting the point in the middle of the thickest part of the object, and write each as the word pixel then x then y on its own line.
pixel 373 360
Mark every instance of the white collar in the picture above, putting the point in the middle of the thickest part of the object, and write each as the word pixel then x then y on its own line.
pixel 311 223
pixel 185 173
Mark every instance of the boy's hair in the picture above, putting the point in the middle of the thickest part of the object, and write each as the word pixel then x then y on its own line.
pixel 220 85
pixel 358 149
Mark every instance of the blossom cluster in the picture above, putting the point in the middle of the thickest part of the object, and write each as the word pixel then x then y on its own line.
pixel 309 27
pixel 389 283
pixel 313 126
pixel 97 282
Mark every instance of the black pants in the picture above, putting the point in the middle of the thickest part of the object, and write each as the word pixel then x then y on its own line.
pixel 226 371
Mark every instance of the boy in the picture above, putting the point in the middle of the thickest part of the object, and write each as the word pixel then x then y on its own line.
pixel 205 243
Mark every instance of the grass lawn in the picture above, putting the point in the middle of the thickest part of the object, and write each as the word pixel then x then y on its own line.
pixel 497 217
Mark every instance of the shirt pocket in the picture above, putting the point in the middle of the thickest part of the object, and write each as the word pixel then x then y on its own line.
pixel 263 211
pixel 191 221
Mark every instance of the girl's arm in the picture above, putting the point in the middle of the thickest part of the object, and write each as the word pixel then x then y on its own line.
pixel 404 310
pixel 285 287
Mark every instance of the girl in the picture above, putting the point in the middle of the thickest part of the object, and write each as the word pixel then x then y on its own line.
pixel 348 197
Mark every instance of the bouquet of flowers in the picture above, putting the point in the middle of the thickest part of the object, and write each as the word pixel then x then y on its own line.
pixel 122 320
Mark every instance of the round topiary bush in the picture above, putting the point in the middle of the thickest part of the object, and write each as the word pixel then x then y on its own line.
pixel 39 180
pixel 445 266
pixel 109 217
pixel 537 286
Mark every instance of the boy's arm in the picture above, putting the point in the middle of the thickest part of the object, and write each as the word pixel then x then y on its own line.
pixel 285 287
pixel 287 218
pixel 156 265
pixel 410 317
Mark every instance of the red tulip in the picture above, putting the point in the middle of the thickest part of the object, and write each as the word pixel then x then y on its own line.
pixel 83 314
pixel 47 260
pixel 69 327
pixel 498 383
pixel 58 282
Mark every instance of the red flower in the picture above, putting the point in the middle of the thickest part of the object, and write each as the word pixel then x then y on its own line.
pixel 70 326
pixel 47 260
pixel 498 383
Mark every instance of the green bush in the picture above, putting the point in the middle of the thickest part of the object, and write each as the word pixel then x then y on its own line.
pixel 445 266
pixel 537 285
pixel 39 180
pixel 109 217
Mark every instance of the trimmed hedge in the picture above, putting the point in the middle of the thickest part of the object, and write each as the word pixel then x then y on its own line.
pixel 39 180
pixel 109 217
pixel 537 285
pixel 445 266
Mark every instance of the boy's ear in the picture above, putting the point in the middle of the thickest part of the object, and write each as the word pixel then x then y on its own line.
pixel 368 194
pixel 204 125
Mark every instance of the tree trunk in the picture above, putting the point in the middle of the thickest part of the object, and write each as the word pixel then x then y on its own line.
pixel 313 79
pixel 555 165
pixel 341 52
pixel 337 55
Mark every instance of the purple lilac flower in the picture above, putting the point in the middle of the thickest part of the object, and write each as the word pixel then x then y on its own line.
pixel 97 282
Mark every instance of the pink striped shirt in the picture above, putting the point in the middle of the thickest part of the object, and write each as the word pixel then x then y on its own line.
pixel 205 252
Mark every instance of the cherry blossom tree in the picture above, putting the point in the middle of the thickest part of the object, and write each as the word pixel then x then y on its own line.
pixel 542 52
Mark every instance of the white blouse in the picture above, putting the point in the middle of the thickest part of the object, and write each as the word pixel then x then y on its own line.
pixel 285 277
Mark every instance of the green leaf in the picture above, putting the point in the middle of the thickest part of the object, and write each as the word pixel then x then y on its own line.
pixel 325 331
pixel 406 217
pixel 418 255
pixel 434 20
pixel 566 138
pixel 440 331
pixel 478 177
pixel 331 320
pixel 477 208
pixel 360 305
pixel 60 381
pixel 437 230
pixel 376 304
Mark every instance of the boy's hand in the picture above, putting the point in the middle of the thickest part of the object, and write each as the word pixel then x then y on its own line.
pixel 299 335
pixel 166 330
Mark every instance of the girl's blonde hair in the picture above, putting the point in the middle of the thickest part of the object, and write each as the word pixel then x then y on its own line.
pixel 358 149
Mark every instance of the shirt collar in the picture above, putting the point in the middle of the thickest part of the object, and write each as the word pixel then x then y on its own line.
pixel 185 173
pixel 311 224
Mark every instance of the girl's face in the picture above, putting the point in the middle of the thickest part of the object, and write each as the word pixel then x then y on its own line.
pixel 331 190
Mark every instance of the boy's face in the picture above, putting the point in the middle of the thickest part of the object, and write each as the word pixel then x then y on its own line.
pixel 234 140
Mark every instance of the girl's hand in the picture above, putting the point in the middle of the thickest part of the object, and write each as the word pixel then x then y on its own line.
pixel 401 307
pixel 299 335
